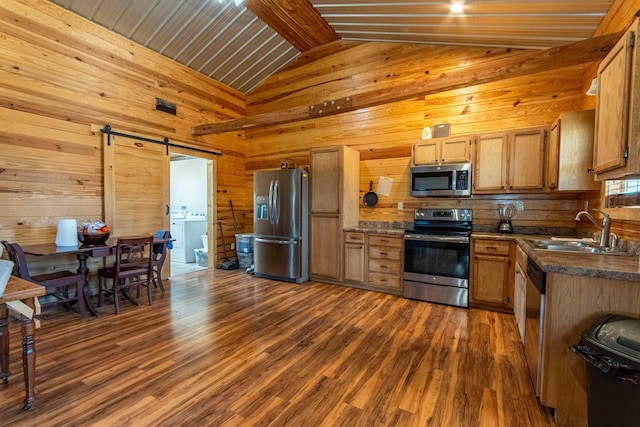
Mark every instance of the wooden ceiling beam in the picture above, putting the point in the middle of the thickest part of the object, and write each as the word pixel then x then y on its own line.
pixel 295 20
pixel 517 64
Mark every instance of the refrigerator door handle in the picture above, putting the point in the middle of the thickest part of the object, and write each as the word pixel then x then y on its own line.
pixel 276 203
pixel 270 202
pixel 277 242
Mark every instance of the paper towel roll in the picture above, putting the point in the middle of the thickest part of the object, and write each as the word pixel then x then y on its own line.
pixel 67 233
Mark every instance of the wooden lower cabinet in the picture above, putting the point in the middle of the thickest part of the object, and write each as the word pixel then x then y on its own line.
pixel 325 248
pixel 572 304
pixel 520 299
pixel 354 257
pixel 385 261
pixel 373 261
pixel 492 272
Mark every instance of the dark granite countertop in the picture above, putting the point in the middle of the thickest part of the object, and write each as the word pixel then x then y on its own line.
pixel 617 267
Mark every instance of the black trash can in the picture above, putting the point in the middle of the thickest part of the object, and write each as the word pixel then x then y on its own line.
pixel 611 348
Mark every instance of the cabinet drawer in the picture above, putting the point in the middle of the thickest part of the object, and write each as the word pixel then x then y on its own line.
pixel 385 240
pixel 382 252
pixel 353 237
pixel 386 280
pixel 493 247
pixel 384 266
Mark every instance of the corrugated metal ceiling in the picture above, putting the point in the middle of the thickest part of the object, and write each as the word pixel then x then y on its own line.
pixel 221 40
pixel 501 23
pixel 229 43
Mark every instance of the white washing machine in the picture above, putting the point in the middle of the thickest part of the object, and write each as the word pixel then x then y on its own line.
pixel 187 229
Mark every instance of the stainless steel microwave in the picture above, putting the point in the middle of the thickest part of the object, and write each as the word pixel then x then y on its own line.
pixel 452 180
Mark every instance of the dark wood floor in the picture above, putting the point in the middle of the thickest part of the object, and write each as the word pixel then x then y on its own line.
pixel 224 349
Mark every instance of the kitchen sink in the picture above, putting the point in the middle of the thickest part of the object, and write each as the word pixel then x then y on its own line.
pixel 575 246
pixel 579 243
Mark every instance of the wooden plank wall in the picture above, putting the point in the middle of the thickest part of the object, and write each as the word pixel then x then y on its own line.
pixel 59 74
pixel 384 134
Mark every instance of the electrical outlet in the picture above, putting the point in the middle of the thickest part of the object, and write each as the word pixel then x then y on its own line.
pixel 233 246
pixel 400 207
pixel 520 205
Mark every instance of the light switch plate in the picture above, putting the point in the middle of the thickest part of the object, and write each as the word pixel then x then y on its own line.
pixel 520 205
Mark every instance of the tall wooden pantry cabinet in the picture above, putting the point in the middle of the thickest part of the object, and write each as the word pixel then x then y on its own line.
pixel 335 196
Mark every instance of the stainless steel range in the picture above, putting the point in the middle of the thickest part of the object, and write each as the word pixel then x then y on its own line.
pixel 436 256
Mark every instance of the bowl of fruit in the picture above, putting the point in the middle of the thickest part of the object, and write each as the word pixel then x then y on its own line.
pixel 93 233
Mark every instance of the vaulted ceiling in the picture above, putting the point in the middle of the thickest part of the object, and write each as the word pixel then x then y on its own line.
pixel 241 43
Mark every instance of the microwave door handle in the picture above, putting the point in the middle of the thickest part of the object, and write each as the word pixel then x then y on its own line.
pixel 427 238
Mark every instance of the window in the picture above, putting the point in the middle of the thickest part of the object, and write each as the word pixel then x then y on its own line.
pixel 619 193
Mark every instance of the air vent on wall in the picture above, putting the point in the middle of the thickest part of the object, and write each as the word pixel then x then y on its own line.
pixel 166 106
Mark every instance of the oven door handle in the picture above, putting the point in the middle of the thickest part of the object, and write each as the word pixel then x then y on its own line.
pixel 430 238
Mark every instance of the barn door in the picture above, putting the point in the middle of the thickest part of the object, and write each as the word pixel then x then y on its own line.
pixel 136 186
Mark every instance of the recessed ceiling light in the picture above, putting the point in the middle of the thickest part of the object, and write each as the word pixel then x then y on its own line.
pixel 457 7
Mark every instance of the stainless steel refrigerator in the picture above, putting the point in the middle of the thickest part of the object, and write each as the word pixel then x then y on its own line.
pixel 281 224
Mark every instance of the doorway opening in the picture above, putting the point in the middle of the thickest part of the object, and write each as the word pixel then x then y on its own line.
pixel 190 212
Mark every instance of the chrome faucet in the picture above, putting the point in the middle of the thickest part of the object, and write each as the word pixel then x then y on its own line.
pixel 605 226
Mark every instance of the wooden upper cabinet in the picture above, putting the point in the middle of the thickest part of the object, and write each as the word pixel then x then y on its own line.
pixel 441 150
pixel 456 150
pixel 526 165
pixel 326 187
pixel 426 152
pixel 616 151
pixel 335 182
pixel 490 163
pixel 570 153
pixel 512 161
pixel 553 156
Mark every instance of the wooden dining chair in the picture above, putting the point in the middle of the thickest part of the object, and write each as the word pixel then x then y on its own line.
pixel 132 268
pixel 56 283
pixel 159 255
